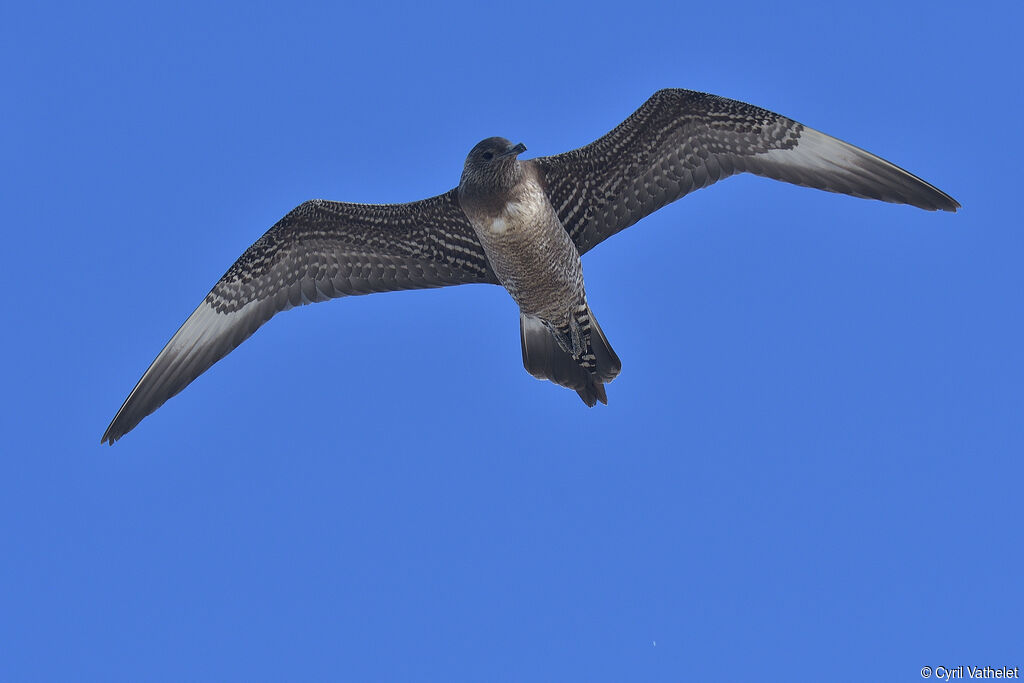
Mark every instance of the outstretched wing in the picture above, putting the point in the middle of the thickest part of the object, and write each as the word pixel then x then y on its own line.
pixel 319 251
pixel 680 141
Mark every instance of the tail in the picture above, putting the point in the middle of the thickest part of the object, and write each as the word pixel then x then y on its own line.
pixel 544 358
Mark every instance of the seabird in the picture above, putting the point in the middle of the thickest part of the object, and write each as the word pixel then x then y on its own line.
pixel 519 223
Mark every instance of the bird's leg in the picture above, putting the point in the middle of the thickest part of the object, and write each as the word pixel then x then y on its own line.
pixel 574 339
pixel 563 335
pixel 579 342
pixel 582 351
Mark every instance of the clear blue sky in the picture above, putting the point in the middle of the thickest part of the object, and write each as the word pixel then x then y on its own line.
pixel 810 468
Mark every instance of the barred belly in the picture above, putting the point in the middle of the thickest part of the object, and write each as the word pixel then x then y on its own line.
pixel 533 256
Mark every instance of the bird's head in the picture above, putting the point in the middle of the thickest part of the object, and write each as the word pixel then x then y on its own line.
pixel 493 163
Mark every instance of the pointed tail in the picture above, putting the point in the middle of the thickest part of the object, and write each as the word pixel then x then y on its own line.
pixel 544 358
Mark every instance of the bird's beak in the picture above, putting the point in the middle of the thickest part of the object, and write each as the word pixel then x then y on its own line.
pixel 513 151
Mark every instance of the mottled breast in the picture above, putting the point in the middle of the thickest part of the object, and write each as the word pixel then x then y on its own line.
pixel 529 250
pixel 526 208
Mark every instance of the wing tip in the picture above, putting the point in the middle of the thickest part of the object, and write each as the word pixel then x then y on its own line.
pixel 839 166
pixel 935 200
pixel 114 431
pixel 939 200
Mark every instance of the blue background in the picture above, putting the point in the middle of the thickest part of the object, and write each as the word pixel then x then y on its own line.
pixel 810 467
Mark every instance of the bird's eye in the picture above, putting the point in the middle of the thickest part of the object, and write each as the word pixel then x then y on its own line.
pixel 488 156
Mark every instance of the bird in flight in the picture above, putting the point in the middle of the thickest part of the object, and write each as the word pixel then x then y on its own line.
pixel 519 223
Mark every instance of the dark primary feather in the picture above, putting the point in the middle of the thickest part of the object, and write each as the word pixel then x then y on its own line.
pixel 680 141
pixel 319 251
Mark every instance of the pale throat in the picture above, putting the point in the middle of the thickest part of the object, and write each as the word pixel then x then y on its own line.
pixel 512 214
pixel 527 207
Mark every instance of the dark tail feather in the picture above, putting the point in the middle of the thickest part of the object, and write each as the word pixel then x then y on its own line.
pixel 608 364
pixel 544 358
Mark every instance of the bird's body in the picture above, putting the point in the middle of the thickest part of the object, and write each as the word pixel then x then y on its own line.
pixel 536 262
pixel 520 223
pixel 526 245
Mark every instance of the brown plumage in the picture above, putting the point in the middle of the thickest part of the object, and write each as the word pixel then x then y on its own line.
pixel 523 224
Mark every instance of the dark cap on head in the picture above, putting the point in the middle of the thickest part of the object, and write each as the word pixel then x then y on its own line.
pixel 494 148
pixel 492 162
